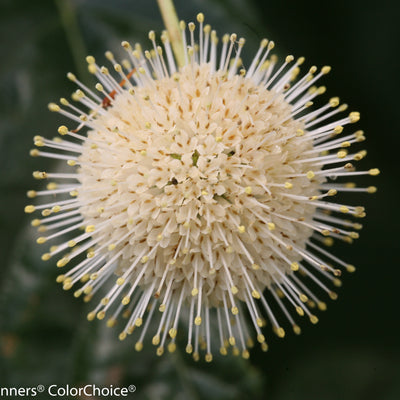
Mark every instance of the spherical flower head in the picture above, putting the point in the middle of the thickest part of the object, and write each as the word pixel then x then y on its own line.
pixel 202 190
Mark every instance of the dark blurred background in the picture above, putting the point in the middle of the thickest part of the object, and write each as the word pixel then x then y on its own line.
pixel 353 353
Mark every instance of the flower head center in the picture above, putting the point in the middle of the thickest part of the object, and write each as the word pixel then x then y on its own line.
pixel 198 158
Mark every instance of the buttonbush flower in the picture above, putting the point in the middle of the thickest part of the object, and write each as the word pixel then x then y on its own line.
pixel 203 193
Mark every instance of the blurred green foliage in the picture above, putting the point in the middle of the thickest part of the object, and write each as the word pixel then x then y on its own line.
pixel 44 335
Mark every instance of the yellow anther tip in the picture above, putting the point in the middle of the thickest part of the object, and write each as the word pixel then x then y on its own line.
pixel 46 256
pixel 88 289
pixel 334 101
pixel 245 354
pixel 280 332
pixel 126 300
pixel 338 129
pixel 333 295
pixel 189 348
pixel 138 346
pixel 288 185
pixel 91 316
pixel 310 175
pixel 300 60
pixel 171 347
pixel 223 351
pixel 229 249
pixel 99 87
pixel 54 107
pixel 200 17
pixel 354 235
pixel 350 268
pixel 332 192
pixel 90 60
pixel 62 262
pixel 326 69
pixel 125 44
pixel 303 298
pixel 90 228
pixel 90 254
pixel 172 333
pixel 296 329
pixel 337 282
pixel 312 70
pixel 299 311
pixel 354 116
pixel 144 259
pixel 71 76
pixel 374 171
pixel 156 340
pixel 38 142
pixel 289 58
pixel 260 338
pixel 264 347
pixel 111 322
pixel 29 209
pixel 101 315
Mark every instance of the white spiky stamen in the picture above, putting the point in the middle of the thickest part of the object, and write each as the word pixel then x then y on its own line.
pixel 201 187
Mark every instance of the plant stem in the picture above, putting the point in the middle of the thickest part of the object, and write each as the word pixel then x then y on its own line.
pixel 171 22
pixel 74 37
